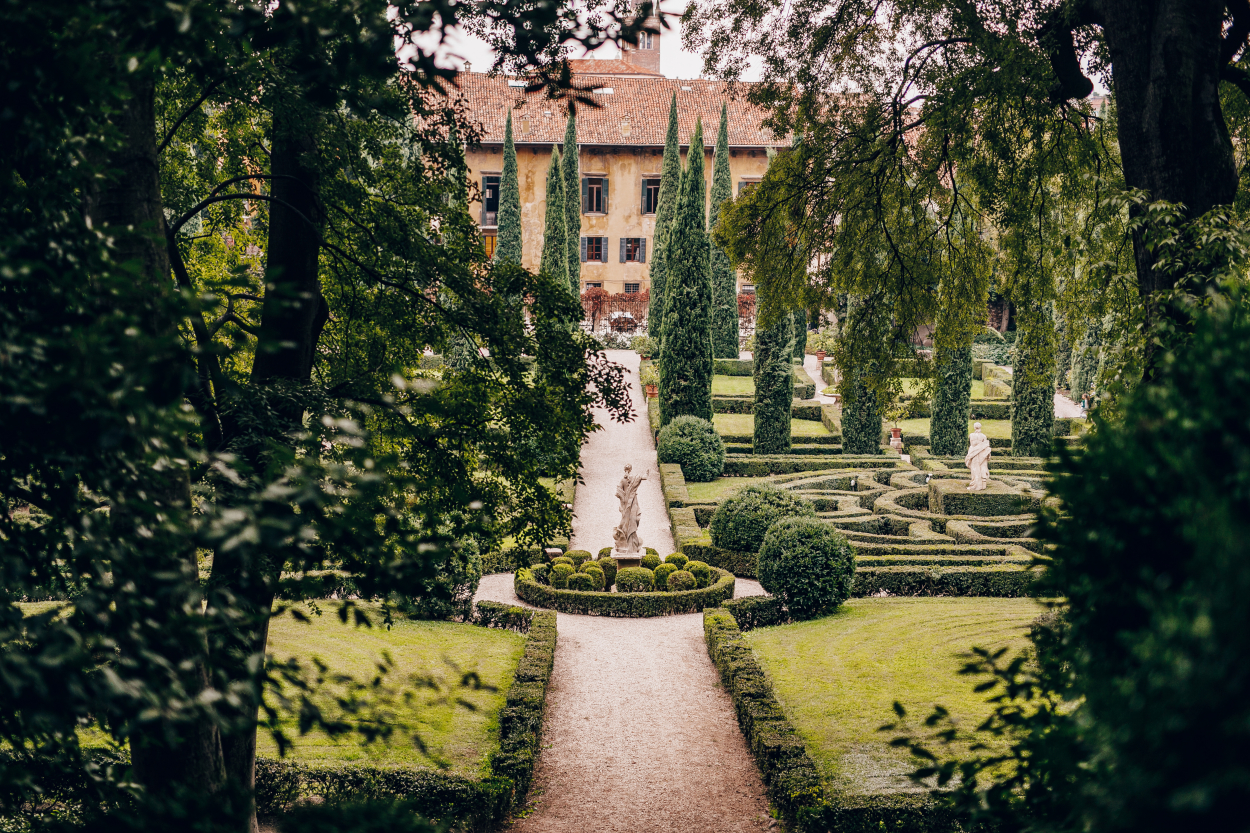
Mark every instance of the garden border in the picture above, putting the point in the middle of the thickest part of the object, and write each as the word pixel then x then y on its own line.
pixel 631 605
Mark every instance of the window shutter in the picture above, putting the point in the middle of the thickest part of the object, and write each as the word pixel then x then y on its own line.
pixel 603 250
pixel 585 208
pixel 583 239
pixel 622 250
pixel 642 250
pixel 642 206
pixel 605 206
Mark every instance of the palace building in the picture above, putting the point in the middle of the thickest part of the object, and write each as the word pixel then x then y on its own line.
pixel 621 147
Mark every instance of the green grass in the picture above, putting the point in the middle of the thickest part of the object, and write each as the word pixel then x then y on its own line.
pixel 996 428
pixel 458 736
pixel 911 387
pixel 732 386
pixel 837 677
pixel 720 488
pixel 744 425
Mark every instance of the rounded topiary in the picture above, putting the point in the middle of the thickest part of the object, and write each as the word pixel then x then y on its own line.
pixel 742 519
pixel 676 559
pixel 560 575
pixel 807 564
pixel 581 581
pixel 694 444
pixel 650 561
pixel 701 571
pixel 681 580
pixel 651 551
pixel 609 567
pixel 579 557
pixel 605 552
pixel 593 570
pixel 662 572
pixel 540 572
pixel 563 559
pixel 635 580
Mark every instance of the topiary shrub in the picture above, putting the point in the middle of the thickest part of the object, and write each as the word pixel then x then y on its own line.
pixel 609 567
pixel 540 572
pixel 741 520
pixel 563 559
pixel 651 551
pixel 635 580
pixel 581 581
pixel 579 557
pixel 662 572
pixel 650 561
pixel 605 552
pixel 701 571
pixel 693 444
pixel 560 575
pixel 808 564
pixel 681 580
pixel 677 559
pixel 593 570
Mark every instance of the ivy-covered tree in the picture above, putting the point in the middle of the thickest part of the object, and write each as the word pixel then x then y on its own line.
pixel 573 203
pixel 863 395
pixel 686 356
pixel 508 245
pixel 774 387
pixel 665 210
pixel 1063 350
pixel 1033 381
pixel 952 385
pixel 800 332
pixel 724 282
pixel 1085 366
pixel 555 257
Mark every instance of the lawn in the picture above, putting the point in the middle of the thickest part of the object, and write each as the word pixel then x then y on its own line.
pixel 733 386
pixel 720 488
pixel 996 428
pixel 837 677
pixel 445 650
pixel 911 387
pixel 744 425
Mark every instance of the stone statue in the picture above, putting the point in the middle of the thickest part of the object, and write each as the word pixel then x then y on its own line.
pixel 626 535
pixel 978 458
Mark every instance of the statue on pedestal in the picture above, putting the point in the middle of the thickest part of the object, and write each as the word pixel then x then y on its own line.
pixel 978 458
pixel 626 534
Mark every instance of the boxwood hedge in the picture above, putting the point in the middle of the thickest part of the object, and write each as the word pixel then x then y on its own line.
pixel 625 604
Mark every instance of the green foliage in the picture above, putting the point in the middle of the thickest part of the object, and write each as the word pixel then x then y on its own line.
pixel 952 399
pixel 724 281
pixel 681 580
pixel 662 572
pixel 774 387
pixel 630 604
pixel 686 351
pixel 555 255
pixel 702 572
pixel 577 557
pixel 570 163
pixel 1033 384
pixel 448 593
pixel 644 346
pixel 580 581
pixel 560 574
pixel 508 245
pixel 1085 363
pixel 741 520
pixel 808 564
pixel 635 580
pixel 864 384
pixel 593 570
pixel 563 559
pixel 676 559
pixel 540 572
pixel 1063 352
pixel 650 561
pixel 665 211
pixel 609 567
pixel 692 443
pixel 799 325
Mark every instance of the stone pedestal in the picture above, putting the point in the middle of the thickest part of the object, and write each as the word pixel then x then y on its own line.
pixel 627 559
pixel 950 496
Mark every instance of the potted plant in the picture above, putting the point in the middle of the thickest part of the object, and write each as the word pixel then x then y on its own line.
pixel 644 346
pixel 897 409
pixel 651 381
pixel 821 344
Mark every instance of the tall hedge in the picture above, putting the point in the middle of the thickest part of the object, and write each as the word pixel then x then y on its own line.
pixel 724 282
pixel 1085 366
pixel 862 408
pixel 1033 381
pixel 508 245
pixel 665 210
pixel 799 327
pixel 572 203
pixel 952 363
pixel 686 356
pixel 1063 350
pixel 555 259
pixel 774 387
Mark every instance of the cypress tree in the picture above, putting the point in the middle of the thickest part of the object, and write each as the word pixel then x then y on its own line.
pixel 724 282
pixel 508 245
pixel 800 332
pixel 952 362
pixel 1033 382
pixel 666 208
pixel 555 260
pixel 862 408
pixel 1063 354
pixel 686 357
pixel 573 204
pixel 1085 368
pixel 774 387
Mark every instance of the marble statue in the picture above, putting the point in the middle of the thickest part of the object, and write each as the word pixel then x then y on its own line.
pixel 978 458
pixel 626 535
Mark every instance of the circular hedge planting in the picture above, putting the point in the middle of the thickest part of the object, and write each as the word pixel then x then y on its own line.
pixel 693 444
pixel 807 564
pixel 667 603
pixel 742 519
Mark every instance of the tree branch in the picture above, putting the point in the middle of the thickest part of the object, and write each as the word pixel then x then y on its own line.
pixel 209 90
pixel 1056 38
pixel 1235 37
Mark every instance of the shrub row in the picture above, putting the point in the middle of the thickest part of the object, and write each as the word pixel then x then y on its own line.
pixel 750 465
pixel 624 604
pixel 799 408
pixel 733 367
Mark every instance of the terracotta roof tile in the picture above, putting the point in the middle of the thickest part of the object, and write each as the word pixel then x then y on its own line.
pixel 634 113
pixel 614 66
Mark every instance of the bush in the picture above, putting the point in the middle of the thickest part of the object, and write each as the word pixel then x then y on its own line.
pixel 448 593
pixel 677 560
pixel 693 444
pixel 681 580
pixel 741 520
pixel 651 551
pixel 656 603
pixel 581 581
pixel 595 572
pixel 605 552
pixel 563 559
pixel 662 572
pixel 540 572
pixel 701 571
pixel 579 557
pixel 609 567
pixel 808 564
pixel 560 575
pixel 650 561
pixel 635 580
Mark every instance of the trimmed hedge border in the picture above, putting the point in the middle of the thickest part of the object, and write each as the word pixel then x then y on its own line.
pixel 791 779
pixel 624 604
pixel 733 367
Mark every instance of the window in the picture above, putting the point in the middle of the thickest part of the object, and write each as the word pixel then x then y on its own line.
pixel 631 288
pixel 744 184
pixel 646 40
pixel 488 243
pixel 594 195
pixel 633 250
pixel 594 284
pixel 650 195
pixel 748 289
pixel 594 250
pixel 490 200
